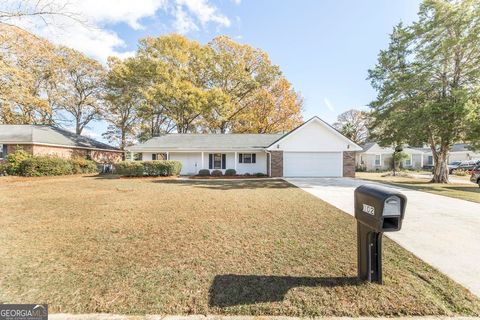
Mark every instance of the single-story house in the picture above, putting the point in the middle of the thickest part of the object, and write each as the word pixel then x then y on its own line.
pixel 314 149
pixel 49 140
pixel 373 157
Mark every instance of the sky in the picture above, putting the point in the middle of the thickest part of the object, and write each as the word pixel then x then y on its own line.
pixel 323 47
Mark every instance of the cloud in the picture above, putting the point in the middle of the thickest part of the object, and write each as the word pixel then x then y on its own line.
pixel 89 32
pixel 329 105
pixel 237 1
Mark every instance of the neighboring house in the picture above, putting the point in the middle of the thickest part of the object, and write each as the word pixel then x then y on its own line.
pixel 49 140
pixel 373 157
pixel 314 149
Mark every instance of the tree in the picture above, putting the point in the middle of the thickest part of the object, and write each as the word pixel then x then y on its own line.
pixel 78 89
pixel 173 70
pixel 26 66
pixel 428 80
pixel 273 109
pixel 123 99
pixel 353 125
pixel 238 71
pixel 45 10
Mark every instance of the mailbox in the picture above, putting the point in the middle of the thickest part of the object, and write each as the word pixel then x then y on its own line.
pixel 377 210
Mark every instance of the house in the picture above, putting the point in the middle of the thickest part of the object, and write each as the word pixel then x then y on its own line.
pixel 373 157
pixel 49 140
pixel 314 149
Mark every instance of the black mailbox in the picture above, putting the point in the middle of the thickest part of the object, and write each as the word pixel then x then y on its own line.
pixel 377 210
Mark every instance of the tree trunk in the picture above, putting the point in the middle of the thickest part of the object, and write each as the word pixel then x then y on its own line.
pixel 440 172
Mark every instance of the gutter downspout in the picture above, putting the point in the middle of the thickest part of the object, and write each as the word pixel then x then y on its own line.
pixel 269 162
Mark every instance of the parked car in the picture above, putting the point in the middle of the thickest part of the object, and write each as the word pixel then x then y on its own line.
pixel 468 165
pixel 475 177
pixel 453 165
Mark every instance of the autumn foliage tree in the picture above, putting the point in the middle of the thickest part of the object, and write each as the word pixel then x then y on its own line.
pixel 219 87
pixel 26 68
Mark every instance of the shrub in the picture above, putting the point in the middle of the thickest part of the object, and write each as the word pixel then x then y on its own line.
pixel 460 172
pixel 148 168
pixel 204 172
pixel 82 165
pixel 45 166
pixel 15 159
pixel 130 168
pixel 260 175
pixel 230 172
pixel 247 174
pixel 4 168
pixel 217 173
pixel 162 168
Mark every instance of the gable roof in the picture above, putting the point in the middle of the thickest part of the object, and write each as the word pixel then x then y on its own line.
pixel 48 135
pixel 356 147
pixel 194 141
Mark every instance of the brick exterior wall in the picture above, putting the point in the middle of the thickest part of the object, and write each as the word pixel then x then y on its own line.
pixel 349 164
pixel 277 164
pixel 65 152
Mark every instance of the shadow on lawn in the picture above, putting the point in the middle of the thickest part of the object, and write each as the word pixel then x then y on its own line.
pixel 231 184
pixel 230 290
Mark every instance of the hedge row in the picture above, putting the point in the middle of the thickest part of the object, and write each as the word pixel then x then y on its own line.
pixel 22 163
pixel 54 166
pixel 148 168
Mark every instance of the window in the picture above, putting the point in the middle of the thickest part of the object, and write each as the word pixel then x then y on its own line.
pixel 2 151
pixel 159 156
pixel 378 159
pixel 137 156
pixel 430 160
pixel 247 158
pixel 408 162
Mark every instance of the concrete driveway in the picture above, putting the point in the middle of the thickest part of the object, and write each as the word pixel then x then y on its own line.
pixel 444 232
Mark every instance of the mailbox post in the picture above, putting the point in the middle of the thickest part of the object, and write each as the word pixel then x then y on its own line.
pixel 377 210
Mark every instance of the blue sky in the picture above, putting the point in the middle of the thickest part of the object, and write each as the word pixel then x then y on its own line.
pixel 324 47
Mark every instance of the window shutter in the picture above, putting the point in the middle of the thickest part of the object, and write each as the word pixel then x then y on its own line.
pixel 210 161
pixel 240 158
pixel 224 160
pixel 254 157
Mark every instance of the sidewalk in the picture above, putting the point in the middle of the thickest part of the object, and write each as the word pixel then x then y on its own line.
pixel 106 316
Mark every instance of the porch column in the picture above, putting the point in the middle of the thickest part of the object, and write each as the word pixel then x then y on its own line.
pixel 421 160
pixel 235 161
pixel 202 161
pixel 168 155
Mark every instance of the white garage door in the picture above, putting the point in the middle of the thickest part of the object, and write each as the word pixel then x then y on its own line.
pixel 312 164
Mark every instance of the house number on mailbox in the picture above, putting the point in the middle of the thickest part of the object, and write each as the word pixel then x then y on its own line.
pixel 368 209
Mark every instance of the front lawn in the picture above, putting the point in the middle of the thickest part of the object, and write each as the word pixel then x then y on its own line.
pixel 152 246
pixel 464 191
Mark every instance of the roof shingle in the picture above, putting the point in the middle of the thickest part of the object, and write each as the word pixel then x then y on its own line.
pixel 49 135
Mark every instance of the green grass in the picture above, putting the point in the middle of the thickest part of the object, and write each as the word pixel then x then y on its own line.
pixel 152 246
pixel 464 191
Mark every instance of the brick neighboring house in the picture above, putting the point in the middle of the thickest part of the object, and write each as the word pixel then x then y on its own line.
pixel 49 140
pixel 314 149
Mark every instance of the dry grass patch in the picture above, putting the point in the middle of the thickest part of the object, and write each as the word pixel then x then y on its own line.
pixel 149 246
pixel 464 191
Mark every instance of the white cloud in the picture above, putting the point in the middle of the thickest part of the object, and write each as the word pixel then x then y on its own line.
pixel 237 1
pixel 204 12
pixel 329 105
pixel 91 36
